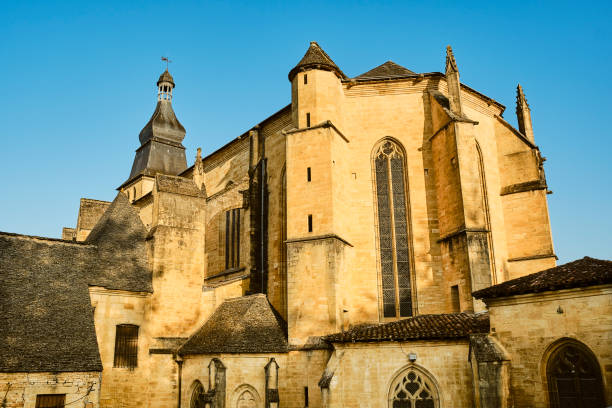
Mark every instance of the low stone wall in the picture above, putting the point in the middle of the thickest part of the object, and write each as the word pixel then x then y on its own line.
pixel 19 390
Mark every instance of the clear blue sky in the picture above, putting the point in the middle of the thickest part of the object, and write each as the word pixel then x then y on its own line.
pixel 78 85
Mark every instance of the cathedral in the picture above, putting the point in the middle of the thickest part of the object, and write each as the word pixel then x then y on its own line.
pixel 382 241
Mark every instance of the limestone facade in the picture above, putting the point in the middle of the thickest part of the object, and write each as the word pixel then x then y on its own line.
pixel 366 202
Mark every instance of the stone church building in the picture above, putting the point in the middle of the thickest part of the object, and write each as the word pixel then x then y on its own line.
pixel 381 241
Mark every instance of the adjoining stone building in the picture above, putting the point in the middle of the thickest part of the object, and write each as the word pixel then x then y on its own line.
pixel 381 241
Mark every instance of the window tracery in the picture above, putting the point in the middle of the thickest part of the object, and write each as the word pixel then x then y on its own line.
pixel 393 238
pixel 246 400
pixel 574 377
pixel 413 389
pixel 198 390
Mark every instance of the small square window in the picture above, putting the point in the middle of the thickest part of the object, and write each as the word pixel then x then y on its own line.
pixel 50 400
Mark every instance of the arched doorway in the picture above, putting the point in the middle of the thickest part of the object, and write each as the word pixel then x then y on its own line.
pixel 413 388
pixel 574 377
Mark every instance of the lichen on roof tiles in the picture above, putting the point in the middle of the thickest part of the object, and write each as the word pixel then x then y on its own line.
pixel 580 273
pixel 246 324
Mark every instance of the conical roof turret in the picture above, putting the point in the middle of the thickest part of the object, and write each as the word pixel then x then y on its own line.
pixel 316 58
pixel 166 77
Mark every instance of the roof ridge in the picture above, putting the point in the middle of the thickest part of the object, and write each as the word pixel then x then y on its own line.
pixel 388 69
pixel 253 295
pixel 40 238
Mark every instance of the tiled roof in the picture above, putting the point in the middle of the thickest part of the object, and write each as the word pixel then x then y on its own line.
pixel 432 326
pixel 246 324
pixel 120 260
pixel 583 272
pixel 46 319
pixel 385 71
pixel 316 58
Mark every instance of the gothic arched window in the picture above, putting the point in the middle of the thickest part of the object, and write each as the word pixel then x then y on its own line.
pixel 198 390
pixel 574 377
pixel 393 237
pixel 246 400
pixel 413 389
pixel 245 396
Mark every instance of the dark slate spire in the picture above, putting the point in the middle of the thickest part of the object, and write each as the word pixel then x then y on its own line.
pixel 160 148
pixel 316 58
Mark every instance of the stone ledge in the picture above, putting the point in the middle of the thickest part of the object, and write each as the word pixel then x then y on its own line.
pixel 522 187
pixel 318 237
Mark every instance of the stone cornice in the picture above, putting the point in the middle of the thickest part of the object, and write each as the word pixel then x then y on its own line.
pixel 580 292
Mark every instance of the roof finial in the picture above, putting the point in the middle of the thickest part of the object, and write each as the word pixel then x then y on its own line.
pixel 521 100
pixel 450 60
pixel 167 61
pixel 523 114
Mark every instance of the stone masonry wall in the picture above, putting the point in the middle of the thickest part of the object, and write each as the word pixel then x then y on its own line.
pixel 527 326
pixel 19 390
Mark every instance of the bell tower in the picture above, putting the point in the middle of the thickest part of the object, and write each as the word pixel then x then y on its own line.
pixel 161 150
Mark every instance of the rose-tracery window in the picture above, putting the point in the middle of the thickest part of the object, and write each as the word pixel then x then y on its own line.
pixel 393 236
pixel 413 389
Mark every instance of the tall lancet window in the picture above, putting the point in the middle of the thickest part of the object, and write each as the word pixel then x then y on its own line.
pixel 393 233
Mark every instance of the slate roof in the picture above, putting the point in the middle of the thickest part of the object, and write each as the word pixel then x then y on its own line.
pixel 246 324
pixel 163 125
pixel 316 58
pixel 386 71
pixel 580 273
pixel 120 260
pixel 46 319
pixel 422 327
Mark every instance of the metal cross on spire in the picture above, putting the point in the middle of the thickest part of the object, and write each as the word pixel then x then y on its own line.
pixel 167 61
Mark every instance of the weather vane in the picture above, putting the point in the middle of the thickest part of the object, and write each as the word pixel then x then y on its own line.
pixel 167 61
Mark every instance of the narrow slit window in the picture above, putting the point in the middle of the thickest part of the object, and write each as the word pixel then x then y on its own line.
pixel 309 222
pixel 308 120
pixel 126 346
pixel 308 174
pixel 455 299
pixel 232 238
pixel 305 79
pixel 305 396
